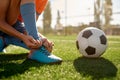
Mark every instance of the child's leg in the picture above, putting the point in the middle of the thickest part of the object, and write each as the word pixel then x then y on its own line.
pixel 28 13
pixel 40 55
pixel 15 41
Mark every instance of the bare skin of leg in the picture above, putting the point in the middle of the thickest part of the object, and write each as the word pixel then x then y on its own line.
pixel 27 1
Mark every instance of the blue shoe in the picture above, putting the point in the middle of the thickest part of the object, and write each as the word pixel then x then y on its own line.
pixel 43 56
pixel 1 45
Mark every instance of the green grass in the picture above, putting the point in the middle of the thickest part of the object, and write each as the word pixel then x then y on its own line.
pixel 15 66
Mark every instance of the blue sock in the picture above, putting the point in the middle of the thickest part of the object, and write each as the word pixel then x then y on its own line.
pixel 28 13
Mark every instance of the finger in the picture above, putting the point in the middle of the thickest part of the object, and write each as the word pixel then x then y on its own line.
pixel 46 44
pixel 39 43
pixel 44 40
pixel 33 40
pixel 34 46
pixel 52 43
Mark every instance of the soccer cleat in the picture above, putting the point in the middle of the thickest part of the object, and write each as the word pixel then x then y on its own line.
pixel 43 56
pixel 1 45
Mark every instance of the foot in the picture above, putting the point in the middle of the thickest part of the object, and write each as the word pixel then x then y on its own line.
pixel 43 56
pixel 1 44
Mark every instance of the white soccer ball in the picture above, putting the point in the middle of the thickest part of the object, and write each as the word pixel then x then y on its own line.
pixel 91 42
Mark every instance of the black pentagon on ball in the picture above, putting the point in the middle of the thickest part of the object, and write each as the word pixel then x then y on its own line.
pixel 87 34
pixel 90 50
pixel 103 39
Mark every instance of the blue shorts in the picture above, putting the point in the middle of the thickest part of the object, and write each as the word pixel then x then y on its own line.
pixel 13 40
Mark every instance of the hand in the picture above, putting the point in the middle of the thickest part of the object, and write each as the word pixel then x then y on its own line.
pixel 48 44
pixel 31 42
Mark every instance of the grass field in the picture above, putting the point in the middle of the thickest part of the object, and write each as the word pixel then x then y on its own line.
pixel 15 66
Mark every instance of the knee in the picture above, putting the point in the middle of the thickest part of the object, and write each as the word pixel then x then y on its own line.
pixel 27 1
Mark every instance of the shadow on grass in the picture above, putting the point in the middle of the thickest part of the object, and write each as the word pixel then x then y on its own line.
pixel 96 68
pixel 9 66
pixel 9 57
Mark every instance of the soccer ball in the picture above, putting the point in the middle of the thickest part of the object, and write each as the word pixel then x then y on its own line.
pixel 91 42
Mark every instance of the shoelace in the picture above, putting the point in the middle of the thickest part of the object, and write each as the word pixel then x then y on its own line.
pixel 44 51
